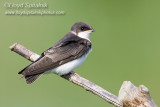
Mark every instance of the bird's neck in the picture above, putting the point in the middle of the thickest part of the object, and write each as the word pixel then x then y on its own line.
pixel 84 35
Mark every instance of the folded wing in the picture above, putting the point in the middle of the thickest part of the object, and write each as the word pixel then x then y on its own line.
pixel 55 57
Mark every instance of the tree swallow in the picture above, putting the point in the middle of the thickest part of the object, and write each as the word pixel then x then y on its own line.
pixel 67 54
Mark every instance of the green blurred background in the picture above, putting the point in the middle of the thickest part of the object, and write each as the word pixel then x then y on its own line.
pixel 126 46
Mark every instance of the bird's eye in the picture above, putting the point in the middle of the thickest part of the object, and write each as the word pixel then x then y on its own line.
pixel 82 28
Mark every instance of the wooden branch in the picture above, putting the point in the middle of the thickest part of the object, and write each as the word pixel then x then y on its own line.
pixel 132 96
pixel 23 51
pixel 129 95
pixel 72 77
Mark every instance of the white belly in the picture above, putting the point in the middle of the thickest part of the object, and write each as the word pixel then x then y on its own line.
pixel 68 67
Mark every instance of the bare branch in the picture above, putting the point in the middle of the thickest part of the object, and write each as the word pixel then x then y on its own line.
pixel 23 51
pixel 129 95
pixel 72 77
pixel 132 96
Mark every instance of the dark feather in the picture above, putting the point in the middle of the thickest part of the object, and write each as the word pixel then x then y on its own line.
pixel 31 78
pixel 42 55
pixel 67 49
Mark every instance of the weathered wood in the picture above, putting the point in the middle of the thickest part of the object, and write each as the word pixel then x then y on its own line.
pixel 132 96
pixel 72 77
pixel 23 51
pixel 129 95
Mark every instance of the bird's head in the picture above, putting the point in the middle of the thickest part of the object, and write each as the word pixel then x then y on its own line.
pixel 82 30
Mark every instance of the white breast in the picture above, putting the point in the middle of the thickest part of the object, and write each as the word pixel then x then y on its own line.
pixel 85 35
pixel 68 67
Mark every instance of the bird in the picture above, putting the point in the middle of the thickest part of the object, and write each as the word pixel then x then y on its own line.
pixel 63 57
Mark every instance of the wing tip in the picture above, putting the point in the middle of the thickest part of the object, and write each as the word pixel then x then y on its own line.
pixel 20 72
pixel 31 78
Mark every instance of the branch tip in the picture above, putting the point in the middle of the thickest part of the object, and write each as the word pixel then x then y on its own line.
pixel 13 46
